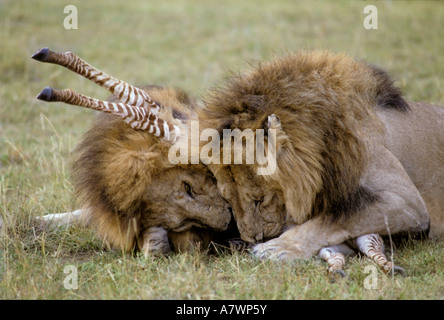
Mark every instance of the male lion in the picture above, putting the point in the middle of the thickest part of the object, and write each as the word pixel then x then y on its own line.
pixel 353 157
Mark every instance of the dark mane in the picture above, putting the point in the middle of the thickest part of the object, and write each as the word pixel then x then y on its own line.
pixel 344 206
pixel 387 94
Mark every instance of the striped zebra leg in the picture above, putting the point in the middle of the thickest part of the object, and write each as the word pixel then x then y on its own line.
pixel 126 93
pixel 372 246
pixel 335 258
pixel 239 245
pixel 137 117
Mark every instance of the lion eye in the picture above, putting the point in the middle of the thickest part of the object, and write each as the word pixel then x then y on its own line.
pixel 188 189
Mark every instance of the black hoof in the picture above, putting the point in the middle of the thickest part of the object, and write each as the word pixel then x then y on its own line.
pixel 399 271
pixel 336 275
pixel 41 54
pixel 46 94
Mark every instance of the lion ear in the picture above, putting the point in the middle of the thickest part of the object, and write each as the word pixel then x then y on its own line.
pixel 273 122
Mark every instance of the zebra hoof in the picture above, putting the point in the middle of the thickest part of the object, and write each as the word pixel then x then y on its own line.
pixel 47 94
pixel 336 275
pixel 41 54
pixel 391 269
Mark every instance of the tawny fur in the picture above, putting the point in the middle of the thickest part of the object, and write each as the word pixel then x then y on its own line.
pixel 329 108
pixel 125 183
pixel 322 101
pixel 334 173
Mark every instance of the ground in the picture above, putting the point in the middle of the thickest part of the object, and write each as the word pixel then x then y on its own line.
pixel 191 45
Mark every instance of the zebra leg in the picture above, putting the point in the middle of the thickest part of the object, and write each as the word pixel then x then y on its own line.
pixel 65 219
pixel 239 245
pixel 335 258
pixel 372 246
pixel 137 117
pixel 155 242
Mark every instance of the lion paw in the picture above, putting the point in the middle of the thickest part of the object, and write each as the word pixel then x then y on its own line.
pixel 155 242
pixel 278 250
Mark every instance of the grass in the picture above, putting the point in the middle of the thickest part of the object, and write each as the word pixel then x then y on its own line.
pixel 192 45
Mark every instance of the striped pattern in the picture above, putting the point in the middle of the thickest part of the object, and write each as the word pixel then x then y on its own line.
pixel 137 117
pixel 136 107
pixel 239 245
pixel 334 259
pixel 372 246
pixel 126 93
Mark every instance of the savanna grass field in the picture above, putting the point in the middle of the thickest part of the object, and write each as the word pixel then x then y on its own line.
pixel 192 45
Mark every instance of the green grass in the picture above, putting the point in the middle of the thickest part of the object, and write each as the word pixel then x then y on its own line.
pixel 192 45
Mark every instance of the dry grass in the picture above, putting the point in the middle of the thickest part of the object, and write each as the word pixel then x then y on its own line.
pixel 188 44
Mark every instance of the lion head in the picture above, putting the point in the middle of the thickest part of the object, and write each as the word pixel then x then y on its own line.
pixel 124 179
pixel 324 106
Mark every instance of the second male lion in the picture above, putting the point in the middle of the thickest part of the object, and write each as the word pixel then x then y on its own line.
pixel 353 157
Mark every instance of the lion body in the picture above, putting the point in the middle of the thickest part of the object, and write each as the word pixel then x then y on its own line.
pixel 416 138
pixel 338 173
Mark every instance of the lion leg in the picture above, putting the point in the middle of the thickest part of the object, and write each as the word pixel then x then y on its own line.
pixel 398 207
pixel 372 246
pixel 155 241
pixel 335 256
